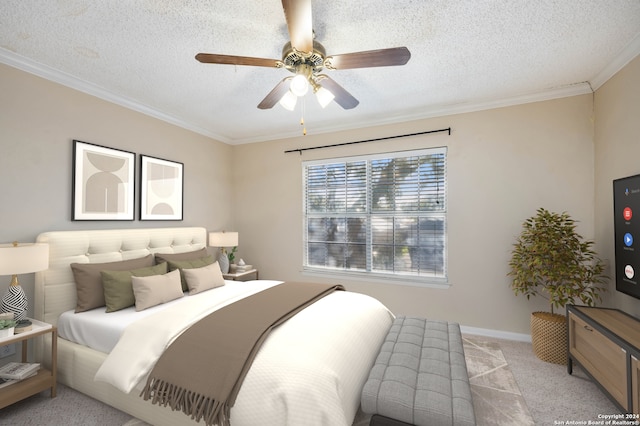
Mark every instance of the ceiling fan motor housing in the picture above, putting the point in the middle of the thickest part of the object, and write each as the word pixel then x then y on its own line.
pixel 293 59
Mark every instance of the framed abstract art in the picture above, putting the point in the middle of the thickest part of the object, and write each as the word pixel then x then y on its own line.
pixel 103 183
pixel 161 189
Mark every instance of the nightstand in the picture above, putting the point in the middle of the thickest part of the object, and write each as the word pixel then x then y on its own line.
pixel 45 379
pixel 251 274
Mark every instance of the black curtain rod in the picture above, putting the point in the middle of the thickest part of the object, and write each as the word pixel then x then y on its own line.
pixel 299 150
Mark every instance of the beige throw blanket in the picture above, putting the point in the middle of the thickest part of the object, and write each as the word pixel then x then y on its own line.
pixel 201 372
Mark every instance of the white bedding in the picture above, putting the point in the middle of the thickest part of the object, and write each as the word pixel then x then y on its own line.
pixel 331 344
pixel 101 331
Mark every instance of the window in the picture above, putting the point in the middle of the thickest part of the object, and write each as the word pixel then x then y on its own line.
pixel 381 214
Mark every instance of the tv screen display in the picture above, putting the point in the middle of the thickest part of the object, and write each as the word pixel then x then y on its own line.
pixel 626 207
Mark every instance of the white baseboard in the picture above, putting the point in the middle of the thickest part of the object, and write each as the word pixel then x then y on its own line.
pixel 498 334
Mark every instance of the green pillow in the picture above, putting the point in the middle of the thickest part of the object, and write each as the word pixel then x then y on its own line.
pixel 118 291
pixel 189 264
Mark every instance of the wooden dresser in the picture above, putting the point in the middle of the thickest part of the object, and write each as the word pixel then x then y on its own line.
pixel 606 344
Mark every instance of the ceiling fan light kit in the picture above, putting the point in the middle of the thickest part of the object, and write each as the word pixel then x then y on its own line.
pixel 306 58
pixel 288 101
pixel 299 85
pixel 323 95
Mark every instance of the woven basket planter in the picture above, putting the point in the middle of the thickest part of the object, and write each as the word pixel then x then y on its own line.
pixel 549 337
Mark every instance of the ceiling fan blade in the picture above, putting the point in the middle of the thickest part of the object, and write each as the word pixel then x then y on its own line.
pixel 299 21
pixel 276 94
pixel 342 97
pixel 369 58
pixel 212 58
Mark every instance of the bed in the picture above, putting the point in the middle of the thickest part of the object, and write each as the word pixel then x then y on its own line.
pixel 310 370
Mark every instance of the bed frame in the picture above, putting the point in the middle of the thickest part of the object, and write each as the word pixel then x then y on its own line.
pixel 55 293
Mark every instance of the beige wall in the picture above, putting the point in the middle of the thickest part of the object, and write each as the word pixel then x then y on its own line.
pixel 617 143
pixel 38 121
pixel 502 165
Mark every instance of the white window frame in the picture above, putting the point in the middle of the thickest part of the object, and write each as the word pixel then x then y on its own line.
pixel 426 279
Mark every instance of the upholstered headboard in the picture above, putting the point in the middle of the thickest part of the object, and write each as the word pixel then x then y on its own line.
pixel 55 290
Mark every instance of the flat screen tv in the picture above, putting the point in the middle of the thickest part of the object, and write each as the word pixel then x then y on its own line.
pixel 626 208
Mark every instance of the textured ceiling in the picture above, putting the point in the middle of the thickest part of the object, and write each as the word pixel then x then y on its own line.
pixel 466 55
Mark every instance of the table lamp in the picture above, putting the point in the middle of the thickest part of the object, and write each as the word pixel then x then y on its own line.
pixel 20 259
pixel 223 240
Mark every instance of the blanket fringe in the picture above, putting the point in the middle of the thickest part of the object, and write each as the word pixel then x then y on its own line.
pixel 198 406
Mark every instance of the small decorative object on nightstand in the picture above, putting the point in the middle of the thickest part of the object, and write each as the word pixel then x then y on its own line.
pixel 20 259
pixel 243 267
pixel 24 325
pixel 7 327
pixel 223 240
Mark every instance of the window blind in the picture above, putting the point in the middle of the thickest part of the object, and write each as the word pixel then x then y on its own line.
pixel 379 214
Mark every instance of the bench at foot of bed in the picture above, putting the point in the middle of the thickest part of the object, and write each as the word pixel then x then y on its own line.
pixel 419 377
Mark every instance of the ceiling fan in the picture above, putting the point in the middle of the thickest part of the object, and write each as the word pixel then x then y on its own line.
pixel 306 58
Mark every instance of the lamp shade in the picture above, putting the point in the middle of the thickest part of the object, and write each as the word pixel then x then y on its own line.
pixel 23 258
pixel 223 239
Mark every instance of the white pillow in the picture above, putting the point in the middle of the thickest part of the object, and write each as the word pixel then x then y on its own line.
pixel 205 278
pixel 156 289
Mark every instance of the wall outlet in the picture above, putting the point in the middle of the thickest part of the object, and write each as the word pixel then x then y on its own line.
pixel 7 350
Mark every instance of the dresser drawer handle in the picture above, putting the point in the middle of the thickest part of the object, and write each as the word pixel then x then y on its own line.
pixel 586 327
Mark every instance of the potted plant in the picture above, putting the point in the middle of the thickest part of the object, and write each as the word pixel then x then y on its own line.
pixel 7 326
pixel 550 259
pixel 232 255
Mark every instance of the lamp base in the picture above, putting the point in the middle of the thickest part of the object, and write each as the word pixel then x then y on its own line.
pixel 223 261
pixel 15 301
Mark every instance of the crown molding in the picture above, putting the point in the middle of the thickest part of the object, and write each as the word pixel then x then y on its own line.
pixel 441 111
pixel 48 73
pixel 628 53
pixel 625 56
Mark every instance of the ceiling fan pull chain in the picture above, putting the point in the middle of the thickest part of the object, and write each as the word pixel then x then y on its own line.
pixel 304 128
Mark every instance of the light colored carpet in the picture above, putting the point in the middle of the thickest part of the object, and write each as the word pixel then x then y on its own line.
pixel 510 386
pixel 553 396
